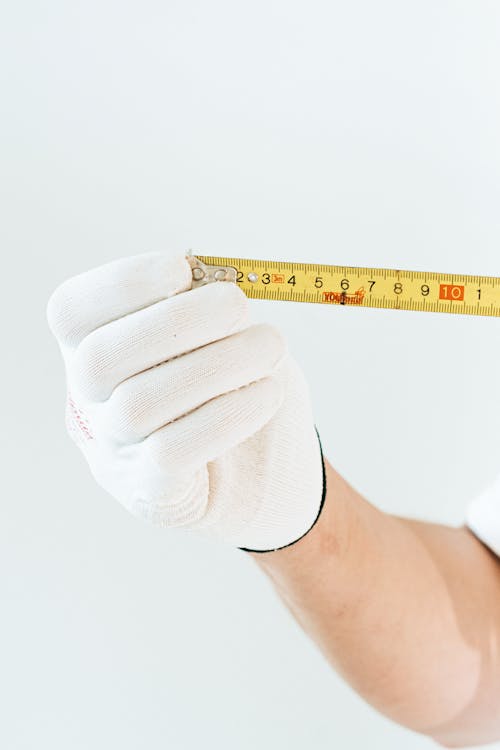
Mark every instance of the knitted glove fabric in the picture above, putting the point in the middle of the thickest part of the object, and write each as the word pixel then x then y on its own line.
pixel 188 415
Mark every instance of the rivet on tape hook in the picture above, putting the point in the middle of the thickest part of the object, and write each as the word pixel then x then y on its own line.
pixel 206 274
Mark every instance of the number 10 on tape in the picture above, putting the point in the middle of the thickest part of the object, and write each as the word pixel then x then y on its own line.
pixel 452 292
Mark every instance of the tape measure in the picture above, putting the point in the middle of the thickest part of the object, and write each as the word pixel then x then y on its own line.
pixel 352 286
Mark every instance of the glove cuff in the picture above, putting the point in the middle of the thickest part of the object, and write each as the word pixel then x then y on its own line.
pixel 323 498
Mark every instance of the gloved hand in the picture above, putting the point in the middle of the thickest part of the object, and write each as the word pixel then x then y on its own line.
pixel 186 414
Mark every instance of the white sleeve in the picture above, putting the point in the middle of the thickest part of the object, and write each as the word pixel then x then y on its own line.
pixel 483 516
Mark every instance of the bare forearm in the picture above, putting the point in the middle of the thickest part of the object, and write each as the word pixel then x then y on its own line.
pixel 407 612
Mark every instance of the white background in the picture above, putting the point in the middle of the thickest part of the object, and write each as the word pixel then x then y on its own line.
pixel 338 132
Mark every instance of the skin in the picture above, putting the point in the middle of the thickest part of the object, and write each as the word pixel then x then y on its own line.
pixel 407 612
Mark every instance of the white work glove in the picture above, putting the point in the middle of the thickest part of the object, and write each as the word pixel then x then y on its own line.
pixel 186 414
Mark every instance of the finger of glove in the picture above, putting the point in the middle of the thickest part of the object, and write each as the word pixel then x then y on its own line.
pixel 153 398
pixel 90 300
pixel 216 427
pixel 132 344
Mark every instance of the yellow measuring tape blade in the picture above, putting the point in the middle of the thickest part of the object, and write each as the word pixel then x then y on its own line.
pixel 365 287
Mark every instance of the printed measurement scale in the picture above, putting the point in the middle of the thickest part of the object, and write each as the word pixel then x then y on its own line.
pixel 359 287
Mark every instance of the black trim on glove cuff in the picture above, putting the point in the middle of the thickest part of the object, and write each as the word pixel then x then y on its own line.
pixel 246 549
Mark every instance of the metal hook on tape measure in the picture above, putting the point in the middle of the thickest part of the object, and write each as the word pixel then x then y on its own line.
pixel 206 274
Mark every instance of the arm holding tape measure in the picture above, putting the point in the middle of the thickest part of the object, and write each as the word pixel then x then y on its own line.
pixel 192 417
pixel 407 612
